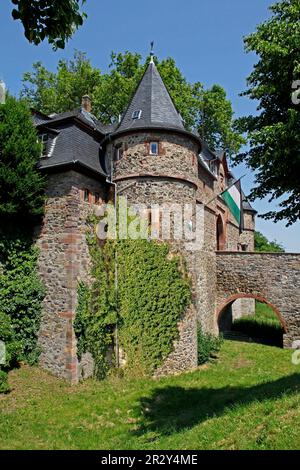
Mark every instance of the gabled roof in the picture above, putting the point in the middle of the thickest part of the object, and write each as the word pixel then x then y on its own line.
pixel 155 104
pixel 73 139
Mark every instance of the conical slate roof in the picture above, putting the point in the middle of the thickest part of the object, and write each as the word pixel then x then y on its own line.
pixel 152 104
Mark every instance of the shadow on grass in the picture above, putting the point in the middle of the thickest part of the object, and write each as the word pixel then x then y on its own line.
pixel 172 409
pixel 260 331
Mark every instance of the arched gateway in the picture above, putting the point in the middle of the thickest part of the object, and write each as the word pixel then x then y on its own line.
pixel 271 278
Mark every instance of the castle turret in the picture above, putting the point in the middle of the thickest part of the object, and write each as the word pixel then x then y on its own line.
pixel 151 145
pixel 154 161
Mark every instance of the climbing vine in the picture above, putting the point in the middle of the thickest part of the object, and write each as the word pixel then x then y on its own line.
pixel 143 308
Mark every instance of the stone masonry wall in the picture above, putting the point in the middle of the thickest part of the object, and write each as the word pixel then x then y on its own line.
pixel 273 278
pixel 64 259
pixel 177 156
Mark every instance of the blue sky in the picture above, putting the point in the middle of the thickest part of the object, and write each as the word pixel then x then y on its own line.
pixel 203 36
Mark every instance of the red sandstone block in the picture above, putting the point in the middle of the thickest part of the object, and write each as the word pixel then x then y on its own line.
pixel 70 238
pixel 68 314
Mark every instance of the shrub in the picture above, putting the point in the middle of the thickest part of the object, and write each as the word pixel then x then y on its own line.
pixel 208 345
pixel 13 348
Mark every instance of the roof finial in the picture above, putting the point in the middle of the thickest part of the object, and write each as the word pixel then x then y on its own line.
pixel 151 53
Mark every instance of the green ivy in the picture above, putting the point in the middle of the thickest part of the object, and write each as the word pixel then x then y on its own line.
pixel 145 306
pixel 96 307
pixel 153 293
pixel 21 294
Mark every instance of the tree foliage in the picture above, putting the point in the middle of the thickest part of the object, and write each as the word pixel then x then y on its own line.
pixel 209 112
pixel 274 134
pixel 21 184
pixel 262 244
pixel 21 295
pixel 55 20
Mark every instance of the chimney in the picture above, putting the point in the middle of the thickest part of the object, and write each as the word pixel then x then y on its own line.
pixel 86 103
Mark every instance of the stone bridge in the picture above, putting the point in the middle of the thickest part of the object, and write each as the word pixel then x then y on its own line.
pixel 272 278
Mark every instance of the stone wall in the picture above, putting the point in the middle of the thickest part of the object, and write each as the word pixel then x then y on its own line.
pixel 242 308
pixel 177 156
pixel 64 259
pixel 184 356
pixel 273 278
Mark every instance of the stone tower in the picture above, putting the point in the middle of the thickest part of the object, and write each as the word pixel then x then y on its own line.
pixel 154 160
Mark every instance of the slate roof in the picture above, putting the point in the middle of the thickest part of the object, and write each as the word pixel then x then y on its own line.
pixel 155 103
pixel 69 143
pixel 247 206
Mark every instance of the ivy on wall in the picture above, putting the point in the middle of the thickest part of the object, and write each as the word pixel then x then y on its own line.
pixel 153 293
pixel 144 306
pixel 96 305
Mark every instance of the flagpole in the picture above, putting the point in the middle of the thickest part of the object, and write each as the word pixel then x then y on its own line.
pixel 220 194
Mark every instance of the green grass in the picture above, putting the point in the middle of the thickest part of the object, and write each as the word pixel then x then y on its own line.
pixel 266 314
pixel 248 399
pixel 264 326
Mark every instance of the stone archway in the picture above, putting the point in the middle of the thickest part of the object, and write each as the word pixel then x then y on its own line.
pixel 272 278
pixel 223 315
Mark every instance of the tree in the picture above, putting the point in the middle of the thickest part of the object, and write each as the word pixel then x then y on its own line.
pixel 55 20
pixel 274 134
pixel 262 244
pixel 21 184
pixel 207 111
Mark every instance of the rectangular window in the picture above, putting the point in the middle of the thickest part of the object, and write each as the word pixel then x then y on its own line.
pixel 97 198
pixel 119 154
pixel 153 148
pixel 86 195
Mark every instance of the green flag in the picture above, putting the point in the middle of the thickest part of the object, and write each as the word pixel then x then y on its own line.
pixel 234 200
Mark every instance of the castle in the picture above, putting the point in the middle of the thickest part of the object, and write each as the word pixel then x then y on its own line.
pixel 150 158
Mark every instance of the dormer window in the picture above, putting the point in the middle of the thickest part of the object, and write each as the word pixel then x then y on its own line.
pixel 44 138
pixel 153 148
pixel 214 167
pixel 137 114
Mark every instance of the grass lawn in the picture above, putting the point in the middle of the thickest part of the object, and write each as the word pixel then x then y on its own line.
pixel 248 399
